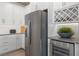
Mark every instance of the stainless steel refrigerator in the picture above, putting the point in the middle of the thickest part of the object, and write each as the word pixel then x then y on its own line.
pixel 36 35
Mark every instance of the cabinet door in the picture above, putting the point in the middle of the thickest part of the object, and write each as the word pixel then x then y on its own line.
pixel 18 15
pixel 1 41
pixel 6 13
pixel 3 49
pixel 7 43
pixel 18 41
pixel 12 42
pixel 4 44
pixel 23 41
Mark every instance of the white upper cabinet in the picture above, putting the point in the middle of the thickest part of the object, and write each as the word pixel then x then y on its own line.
pixel 11 14
pixel 18 14
pixel 6 13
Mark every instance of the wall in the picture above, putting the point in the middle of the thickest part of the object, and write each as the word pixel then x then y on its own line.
pixel 18 16
pixel 58 6
pixel 52 7
pixel 11 16
pixel 30 8
pixel 41 6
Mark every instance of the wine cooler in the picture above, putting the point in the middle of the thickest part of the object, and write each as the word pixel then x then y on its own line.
pixel 61 48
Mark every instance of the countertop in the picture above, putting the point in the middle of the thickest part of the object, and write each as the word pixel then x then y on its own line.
pixel 10 34
pixel 71 40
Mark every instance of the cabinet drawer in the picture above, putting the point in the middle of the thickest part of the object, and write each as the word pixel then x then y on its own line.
pixel 4 49
pixel 4 44
pixel 4 40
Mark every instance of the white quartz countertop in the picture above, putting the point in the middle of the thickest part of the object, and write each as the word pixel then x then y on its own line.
pixel 10 34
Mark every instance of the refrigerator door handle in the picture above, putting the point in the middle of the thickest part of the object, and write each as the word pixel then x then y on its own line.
pixel 29 31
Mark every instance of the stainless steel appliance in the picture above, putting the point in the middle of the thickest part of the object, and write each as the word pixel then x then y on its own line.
pixel 36 34
pixel 62 47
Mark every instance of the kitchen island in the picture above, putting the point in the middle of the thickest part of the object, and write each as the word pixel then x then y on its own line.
pixel 63 46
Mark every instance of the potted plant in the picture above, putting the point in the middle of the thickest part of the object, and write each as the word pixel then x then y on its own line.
pixel 65 32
